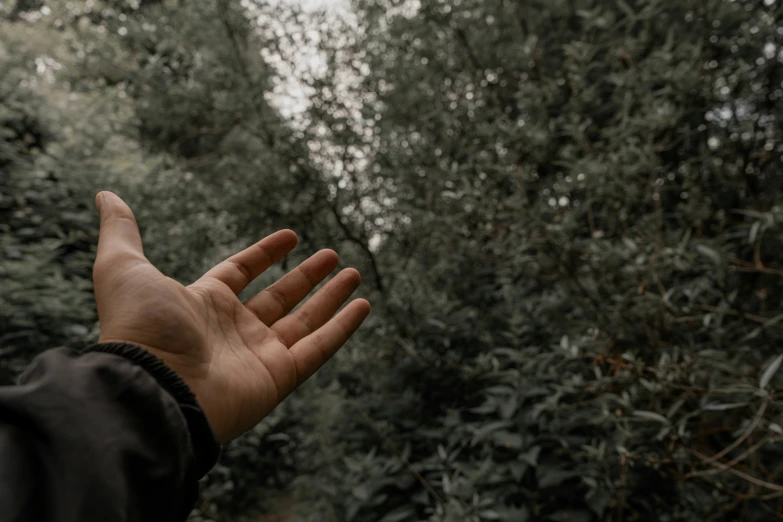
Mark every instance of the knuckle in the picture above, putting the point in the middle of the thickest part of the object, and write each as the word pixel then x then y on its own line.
pixel 243 268
pixel 278 297
pixel 307 277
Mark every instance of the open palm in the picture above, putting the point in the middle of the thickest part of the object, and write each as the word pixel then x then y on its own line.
pixel 240 359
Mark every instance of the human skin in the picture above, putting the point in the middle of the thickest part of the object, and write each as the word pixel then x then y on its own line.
pixel 240 359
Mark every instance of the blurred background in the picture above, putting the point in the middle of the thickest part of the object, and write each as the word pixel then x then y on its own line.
pixel 567 214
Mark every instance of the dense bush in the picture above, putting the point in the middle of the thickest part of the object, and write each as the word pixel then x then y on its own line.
pixel 46 236
pixel 581 320
pixel 567 214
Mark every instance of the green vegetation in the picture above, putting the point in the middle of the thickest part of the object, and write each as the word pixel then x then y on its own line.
pixel 567 214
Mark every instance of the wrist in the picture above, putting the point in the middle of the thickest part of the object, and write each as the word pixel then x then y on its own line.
pixel 205 445
pixel 193 382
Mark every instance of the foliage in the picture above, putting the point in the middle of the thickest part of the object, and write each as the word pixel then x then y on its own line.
pixel 579 302
pixel 567 215
pixel 47 237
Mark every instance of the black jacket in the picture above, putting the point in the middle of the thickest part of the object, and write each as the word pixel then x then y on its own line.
pixel 111 434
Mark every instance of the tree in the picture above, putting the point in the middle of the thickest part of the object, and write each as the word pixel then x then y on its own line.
pixel 46 230
pixel 581 302
pixel 566 214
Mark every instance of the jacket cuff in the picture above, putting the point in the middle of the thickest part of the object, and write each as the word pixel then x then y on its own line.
pixel 206 449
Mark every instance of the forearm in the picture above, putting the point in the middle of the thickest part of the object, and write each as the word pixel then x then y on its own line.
pixel 100 436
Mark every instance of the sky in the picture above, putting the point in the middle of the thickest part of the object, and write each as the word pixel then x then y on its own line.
pixel 290 97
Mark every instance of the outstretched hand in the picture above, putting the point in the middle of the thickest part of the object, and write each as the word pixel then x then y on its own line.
pixel 239 358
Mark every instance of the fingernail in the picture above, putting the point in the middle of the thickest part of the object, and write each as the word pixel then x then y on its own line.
pixel 99 201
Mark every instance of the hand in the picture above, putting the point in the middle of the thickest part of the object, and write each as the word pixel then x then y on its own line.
pixel 240 359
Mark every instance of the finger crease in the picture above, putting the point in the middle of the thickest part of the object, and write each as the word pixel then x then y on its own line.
pixel 268 260
pixel 278 297
pixel 243 269
pixel 304 318
pixel 312 281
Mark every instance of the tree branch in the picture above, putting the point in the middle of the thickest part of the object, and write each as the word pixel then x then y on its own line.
pixel 356 239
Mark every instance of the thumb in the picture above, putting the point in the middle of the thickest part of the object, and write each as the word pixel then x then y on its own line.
pixel 119 242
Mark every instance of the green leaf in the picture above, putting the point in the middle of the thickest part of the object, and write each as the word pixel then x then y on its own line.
pixel 723 407
pixel 754 230
pixel 757 331
pixel 362 492
pixel 531 456
pixel 710 253
pixel 506 439
pixel 769 372
pixel 551 476
pixel 487 430
pixel 650 415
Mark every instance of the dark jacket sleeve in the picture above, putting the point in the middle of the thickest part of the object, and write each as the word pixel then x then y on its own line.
pixel 109 434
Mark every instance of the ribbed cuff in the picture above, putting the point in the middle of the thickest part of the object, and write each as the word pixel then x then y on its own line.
pixel 206 449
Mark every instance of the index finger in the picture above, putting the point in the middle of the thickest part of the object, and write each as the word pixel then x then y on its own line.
pixel 239 270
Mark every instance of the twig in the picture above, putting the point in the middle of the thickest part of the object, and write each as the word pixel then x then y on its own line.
pixel 757 253
pixel 745 266
pixel 353 237
pixel 740 474
pixel 744 435
pixel 732 462
pixel 750 317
